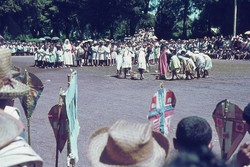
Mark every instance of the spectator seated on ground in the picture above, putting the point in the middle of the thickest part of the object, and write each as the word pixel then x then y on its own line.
pixel 128 144
pixel 192 133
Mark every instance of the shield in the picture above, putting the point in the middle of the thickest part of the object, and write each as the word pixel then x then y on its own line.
pixel 229 126
pixel 161 110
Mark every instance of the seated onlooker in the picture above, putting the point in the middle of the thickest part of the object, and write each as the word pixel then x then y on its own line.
pixel 128 144
pixel 192 133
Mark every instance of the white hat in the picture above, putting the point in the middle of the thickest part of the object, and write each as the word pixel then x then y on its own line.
pixel 128 144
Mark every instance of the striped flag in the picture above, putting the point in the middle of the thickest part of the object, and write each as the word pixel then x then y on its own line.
pixel 161 110
pixel 229 126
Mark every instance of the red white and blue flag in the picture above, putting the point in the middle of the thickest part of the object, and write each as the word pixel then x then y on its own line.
pixel 161 110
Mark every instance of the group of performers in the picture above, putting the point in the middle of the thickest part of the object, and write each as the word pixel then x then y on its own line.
pixel 175 58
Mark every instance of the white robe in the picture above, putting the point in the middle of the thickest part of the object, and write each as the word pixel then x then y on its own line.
pixel 67 55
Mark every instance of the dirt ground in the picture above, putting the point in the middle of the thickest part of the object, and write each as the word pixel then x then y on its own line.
pixel 103 99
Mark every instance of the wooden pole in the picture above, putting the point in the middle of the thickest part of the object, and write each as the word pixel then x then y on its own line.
pixel 58 124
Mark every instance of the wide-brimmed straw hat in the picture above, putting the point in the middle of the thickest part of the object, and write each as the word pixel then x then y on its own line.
pixel 9 87
pixel 10 128
pixel 128 144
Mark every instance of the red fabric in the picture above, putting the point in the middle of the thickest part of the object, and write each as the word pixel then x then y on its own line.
pixel 163 65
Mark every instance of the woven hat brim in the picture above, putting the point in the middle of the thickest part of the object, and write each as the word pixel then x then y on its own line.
pixel 10 129
pixel 98 143
pixel 18 89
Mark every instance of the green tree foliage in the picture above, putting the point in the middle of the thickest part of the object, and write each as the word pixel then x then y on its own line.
pixel 115 18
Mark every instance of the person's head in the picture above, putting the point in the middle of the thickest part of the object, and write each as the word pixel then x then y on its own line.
pixel 204 157
pixel 192 132
pixel 246 116
pixel 128 144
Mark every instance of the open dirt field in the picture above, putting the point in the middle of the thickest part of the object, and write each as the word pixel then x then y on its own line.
pixel 103 99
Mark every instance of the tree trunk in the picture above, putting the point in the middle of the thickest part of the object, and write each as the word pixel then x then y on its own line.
pixel 185 15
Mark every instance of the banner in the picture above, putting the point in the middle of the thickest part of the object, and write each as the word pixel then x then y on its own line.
pixel 29 101
pixel 59 125
pixel 161 110
pixel 229 126
pixel 71 110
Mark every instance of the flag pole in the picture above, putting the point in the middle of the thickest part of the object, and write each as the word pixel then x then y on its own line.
pixel 28 108
pixel 60 103
pixel 224 129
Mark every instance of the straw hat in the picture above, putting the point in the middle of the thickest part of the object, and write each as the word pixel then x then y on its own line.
pixel 10 128
pixel 9 87
pixel 128 144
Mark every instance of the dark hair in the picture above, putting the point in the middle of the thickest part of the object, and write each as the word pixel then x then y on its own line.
pixel 193 132
pixel 246 114
pixel 202 158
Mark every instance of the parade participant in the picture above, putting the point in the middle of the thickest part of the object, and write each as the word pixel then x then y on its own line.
pixel 163 66
pixel 94 48
pixel 79 55
pixel 107 54
pixel 157 51
pixel 126 61
pixel 67 54
pixel 59 56
pixel 174 64
pixel 113 51
pixel 101 50
pixel 142 62
pixel 118 59
pixel 208 64
pixel 128 144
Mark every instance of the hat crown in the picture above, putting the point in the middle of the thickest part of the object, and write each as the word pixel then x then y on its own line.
pixel 5 62
pixel 129 143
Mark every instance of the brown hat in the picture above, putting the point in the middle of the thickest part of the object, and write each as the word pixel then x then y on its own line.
pixel 10 128
pixel 128 144
pixel 9 87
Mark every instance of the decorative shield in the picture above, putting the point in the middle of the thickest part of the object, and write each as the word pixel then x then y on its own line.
pixel 229 126
pixel 161 110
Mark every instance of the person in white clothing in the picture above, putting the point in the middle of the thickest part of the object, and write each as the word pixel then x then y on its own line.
pixel 67 54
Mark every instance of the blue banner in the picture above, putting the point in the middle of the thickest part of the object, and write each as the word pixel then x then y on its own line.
pixel 71 109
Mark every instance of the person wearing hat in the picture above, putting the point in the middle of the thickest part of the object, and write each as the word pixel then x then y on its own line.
pixel 128 144
pixel 14 151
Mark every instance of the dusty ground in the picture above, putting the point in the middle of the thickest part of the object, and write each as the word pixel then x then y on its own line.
pixel 103 99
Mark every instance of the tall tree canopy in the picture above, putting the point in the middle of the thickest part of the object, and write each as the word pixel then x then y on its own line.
pixel 116 18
